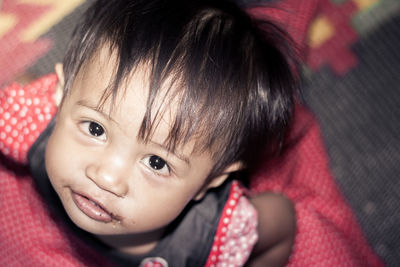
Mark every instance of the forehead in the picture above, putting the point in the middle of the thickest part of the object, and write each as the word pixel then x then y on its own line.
pixel 94 83
pixel 131 106
pixel 97 74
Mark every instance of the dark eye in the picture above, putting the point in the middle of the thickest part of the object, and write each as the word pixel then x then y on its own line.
pixel 95 129
pixel 157 163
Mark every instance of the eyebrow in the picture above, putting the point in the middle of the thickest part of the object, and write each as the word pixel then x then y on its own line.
pixel 169 151
pixel 87 104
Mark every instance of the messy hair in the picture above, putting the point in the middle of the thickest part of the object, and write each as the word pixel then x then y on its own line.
pixel 232 75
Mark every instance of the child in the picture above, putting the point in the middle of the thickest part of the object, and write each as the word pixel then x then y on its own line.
pixel 161 102
pixel 162 105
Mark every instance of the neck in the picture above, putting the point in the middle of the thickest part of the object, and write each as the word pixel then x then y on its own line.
pixel 134 244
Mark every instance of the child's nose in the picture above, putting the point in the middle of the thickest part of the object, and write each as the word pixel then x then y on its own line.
pixel 110 175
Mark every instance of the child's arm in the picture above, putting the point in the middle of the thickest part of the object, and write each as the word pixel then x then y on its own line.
pixel 276 230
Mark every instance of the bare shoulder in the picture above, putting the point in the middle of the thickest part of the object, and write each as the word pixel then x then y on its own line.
pixel 276 229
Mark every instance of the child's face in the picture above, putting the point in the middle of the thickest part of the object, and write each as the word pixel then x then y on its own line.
pixel 109 181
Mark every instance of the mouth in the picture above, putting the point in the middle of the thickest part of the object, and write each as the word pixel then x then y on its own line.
pixel 92 208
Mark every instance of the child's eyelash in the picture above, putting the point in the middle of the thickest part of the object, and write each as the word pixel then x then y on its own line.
pixel 93 129
pixel 157 165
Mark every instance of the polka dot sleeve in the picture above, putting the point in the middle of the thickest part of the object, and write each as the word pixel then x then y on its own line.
pixel 24 114
pixel 236 233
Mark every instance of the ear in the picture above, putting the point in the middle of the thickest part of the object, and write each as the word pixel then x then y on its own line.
pixel 60 85
pixel 219 180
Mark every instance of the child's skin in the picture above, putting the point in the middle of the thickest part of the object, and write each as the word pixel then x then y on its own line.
pixel 95 153
pixel 116 169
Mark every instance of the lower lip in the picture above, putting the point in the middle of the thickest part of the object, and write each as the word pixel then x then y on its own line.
pixel 91 209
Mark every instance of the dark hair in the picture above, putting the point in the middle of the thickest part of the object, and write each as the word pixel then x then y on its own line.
pixel 235 74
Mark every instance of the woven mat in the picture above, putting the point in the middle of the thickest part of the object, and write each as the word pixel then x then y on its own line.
pixel 352 84
pixel 354 89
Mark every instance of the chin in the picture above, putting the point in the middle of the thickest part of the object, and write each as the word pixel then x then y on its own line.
pixel 94 227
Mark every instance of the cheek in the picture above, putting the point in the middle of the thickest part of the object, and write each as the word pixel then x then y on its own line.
pixel 52 159
pixel 159 204
pixel 163 210
pixel 58 158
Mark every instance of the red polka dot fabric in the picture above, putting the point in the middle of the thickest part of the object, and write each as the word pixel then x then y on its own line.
pixel 236 232
pixel 25 113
